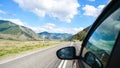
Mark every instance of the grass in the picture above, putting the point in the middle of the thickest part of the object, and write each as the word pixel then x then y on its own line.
pixel 14 47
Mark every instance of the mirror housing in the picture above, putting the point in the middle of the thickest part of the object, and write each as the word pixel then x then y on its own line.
pixel 67 53
pixel 92 60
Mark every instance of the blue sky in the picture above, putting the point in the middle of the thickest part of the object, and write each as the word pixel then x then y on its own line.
pixel 59 16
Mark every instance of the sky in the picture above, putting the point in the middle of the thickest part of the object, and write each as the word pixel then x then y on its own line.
pixel 55 16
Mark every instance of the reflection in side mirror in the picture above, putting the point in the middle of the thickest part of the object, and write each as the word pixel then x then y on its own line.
pixel 67 53
pixel 92 60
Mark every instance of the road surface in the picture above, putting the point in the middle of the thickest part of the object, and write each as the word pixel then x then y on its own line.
pixel 45 58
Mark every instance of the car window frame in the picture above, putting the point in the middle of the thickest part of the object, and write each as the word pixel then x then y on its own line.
pixel 105 14
pixel 107 11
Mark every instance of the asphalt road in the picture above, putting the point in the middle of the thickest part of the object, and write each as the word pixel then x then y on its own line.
pixel 45 58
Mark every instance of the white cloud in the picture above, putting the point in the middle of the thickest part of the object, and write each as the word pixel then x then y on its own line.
pixel 92 11
pixel 2 12
pixel 16 21
pixel 64 10
pixel 6 13
pixel 49 27
pixel 91 0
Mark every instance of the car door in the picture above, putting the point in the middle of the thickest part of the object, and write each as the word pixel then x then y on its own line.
pixel 99 44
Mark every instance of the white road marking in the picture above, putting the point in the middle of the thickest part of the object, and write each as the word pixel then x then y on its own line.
pixel 61 64
pixel 65 63
pixel 71 44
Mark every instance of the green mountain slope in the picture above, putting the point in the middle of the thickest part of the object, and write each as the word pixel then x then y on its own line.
pixel 80 35
pixel 54 36
pixel 11 31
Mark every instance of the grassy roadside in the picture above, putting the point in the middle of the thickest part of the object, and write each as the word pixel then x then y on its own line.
pixel 8 48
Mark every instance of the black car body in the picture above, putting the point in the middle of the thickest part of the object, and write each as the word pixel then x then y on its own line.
pixel 101 47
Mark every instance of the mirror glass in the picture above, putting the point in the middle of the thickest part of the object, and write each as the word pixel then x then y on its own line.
pixel 66 53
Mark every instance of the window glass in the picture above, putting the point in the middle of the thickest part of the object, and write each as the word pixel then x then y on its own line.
pixel 102 40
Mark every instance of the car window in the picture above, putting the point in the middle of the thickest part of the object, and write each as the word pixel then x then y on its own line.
pixel 103 38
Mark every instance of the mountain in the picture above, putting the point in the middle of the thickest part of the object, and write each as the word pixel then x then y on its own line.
pixel 80 35
pixel 11 31
pixel 54 36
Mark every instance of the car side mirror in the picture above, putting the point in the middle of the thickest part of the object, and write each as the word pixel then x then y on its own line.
pixel 67 53
pixel 92 60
